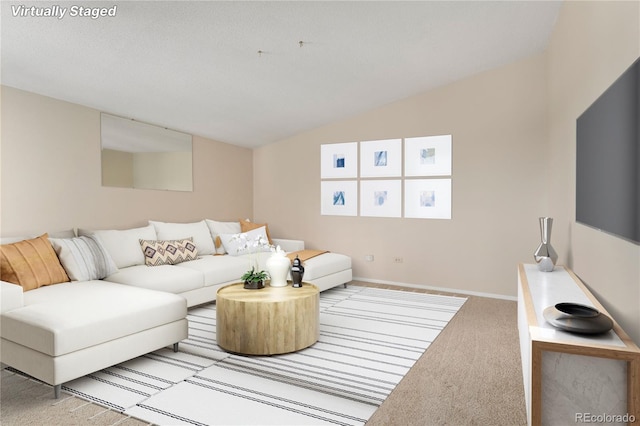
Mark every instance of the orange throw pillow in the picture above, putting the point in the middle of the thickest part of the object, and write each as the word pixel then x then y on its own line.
pixel 246 225
pixel 31 263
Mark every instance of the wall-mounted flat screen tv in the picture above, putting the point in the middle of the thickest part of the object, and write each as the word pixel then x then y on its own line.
pixel 608 159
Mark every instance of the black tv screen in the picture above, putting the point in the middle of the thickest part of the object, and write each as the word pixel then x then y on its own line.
pixel 608 159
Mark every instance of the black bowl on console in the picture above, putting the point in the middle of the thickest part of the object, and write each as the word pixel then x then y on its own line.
pixel 577 318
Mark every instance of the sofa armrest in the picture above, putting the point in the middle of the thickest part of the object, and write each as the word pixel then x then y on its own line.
pixel 288 245
pixel 12 296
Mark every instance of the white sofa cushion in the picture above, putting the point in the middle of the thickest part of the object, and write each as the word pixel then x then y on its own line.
pixel 64 318
pixel 12 296
pixel 218 269
pixel 288 245
pixel 199 231
pixel 325 264
pixel 167 278
pixel 216 228
pixel 124 245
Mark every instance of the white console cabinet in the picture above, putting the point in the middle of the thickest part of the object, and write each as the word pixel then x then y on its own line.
pixel 571 378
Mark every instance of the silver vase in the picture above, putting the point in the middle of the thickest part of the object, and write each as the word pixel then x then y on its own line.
pixel 545 255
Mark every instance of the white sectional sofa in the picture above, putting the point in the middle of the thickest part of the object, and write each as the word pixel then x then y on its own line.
pixel 127 308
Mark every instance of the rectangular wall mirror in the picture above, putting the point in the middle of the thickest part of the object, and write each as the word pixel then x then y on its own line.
pixel 144 156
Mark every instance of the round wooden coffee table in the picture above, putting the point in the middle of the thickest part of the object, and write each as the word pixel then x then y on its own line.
pixel 272 320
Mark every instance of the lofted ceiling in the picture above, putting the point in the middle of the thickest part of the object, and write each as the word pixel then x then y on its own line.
pixel 194 66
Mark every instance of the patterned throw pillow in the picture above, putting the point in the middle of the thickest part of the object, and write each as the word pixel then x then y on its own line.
pixel 168 252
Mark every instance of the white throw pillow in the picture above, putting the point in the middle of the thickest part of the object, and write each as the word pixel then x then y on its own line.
pixel 218 228
pixel 253 241
pixel 124 245
pixel 84 258
pixel 199 231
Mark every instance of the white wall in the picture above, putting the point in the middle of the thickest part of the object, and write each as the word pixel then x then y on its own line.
pixel 498 122
pixel 51 174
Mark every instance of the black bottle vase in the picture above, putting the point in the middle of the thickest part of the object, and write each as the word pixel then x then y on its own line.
pixel 297 272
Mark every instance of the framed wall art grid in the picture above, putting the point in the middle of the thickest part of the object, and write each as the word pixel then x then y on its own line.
pixel 354 178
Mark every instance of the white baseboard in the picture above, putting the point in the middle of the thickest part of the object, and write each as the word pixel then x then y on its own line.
pixel 443 289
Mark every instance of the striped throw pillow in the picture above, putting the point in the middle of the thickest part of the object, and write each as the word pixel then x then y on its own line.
pixel 31 264
pixel 84 258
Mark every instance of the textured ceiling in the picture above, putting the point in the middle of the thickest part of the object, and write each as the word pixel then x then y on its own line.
pixel 194 66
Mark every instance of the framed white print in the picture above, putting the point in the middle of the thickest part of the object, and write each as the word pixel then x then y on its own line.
pixel 427 156
pixel 339 160
pixel 339 197
pixel 381 158
pixel 427 198
pixel 382 198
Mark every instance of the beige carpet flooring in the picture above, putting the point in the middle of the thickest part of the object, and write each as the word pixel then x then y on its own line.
pixel 470 375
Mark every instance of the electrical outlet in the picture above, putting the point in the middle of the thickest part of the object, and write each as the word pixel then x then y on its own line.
pixel 397 260
pixel 368 258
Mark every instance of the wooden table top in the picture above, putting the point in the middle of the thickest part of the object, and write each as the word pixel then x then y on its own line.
pixel 237 292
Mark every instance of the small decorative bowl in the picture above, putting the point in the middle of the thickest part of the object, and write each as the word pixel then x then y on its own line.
pixel 577 318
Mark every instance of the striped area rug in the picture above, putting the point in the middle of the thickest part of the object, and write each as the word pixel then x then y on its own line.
pixel 369 339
